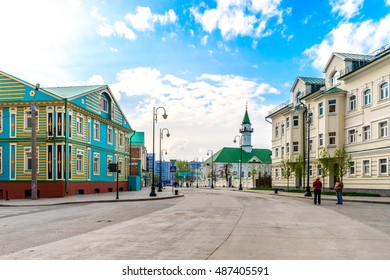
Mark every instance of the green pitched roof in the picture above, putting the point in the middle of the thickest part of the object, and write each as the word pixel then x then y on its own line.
pixel 246 119
pixel 312 80
pixel 138 138
pixel 232 155
pixel 69 92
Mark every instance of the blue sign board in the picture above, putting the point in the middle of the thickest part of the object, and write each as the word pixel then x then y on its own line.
pixel 185 174
pixel 173 168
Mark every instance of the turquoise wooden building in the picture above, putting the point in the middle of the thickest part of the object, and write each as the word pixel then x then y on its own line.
pixel 80 130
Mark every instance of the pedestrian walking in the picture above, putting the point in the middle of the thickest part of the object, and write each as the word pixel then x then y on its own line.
pixel 339 190
pixel 317 185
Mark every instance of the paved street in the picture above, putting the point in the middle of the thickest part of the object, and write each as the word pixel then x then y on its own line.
pixel 204 224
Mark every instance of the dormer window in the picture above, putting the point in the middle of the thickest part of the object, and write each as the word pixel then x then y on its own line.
pixel 299 96
pixel 104 105
pixel 334 78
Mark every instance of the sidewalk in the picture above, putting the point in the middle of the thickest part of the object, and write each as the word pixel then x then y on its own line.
pixel 143 194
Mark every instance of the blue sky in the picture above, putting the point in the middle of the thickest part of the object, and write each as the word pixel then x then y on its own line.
pixel 203 61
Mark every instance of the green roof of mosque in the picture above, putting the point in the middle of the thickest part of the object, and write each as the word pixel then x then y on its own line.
pixel 232 155
pixel 69 92
pixel 246 119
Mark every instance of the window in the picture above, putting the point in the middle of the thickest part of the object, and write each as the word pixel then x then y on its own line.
pixel 310 170
pixel 384 91
pixel 299 97
pixel 383 129
pixel 276 152
pixel 383 166
pixel 287 122
pixel 295 146
pixel 352 136
pixel 352 168
pixel 79 125
pixel 334 78
pixel 28 120
pixel 282 128
pixel 276 173
pixel 310 144
pixel 109 160
pixel 104 104
pixel 332 106
pixel 96 164
pixel 332 138
pixel 366 133
pixel 79 161
pixel 287 148
pixel 367 97
pixel 366 168
pixel 320 109
pixel 28 160
pixel 319 170
pixel 282 151
pixel 121 139
pixel 295 121
pixel 96 131
pixel 277 131
pixel 109 135
pixel 352 102
pixel 320 139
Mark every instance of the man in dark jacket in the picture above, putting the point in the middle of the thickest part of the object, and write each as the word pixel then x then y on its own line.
pixel 317 185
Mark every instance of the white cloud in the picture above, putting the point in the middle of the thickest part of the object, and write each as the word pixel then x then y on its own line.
pixel 350 37
pixel 210 103
pixel 346 8
pixel 204 40
pixel 239 17
pixel 144 19
pixel 387 2
pixel 38 36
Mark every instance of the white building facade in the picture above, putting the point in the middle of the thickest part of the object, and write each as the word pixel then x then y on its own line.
pixel 350 108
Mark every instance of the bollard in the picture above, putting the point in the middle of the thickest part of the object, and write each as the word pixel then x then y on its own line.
pixel 176 192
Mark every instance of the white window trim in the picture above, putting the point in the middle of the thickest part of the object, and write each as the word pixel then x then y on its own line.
pixel 335 107
pixel 380 91
pixel 28 150
pixel 25 128
pixel 80 153
pixel 364 137
pixel 387 167
pixel 369 166
pixel 79 124
pixel 110 139
pixel 109 160
pixel 354 167
pixel 97 123
pixel 380 129
pixel 96 155
pixel 1 160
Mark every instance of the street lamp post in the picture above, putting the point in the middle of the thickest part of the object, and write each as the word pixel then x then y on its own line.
pixel 34 187
pixel 153 191
pixel 212 167
pixel 240 188
pixel 161 137
pixel 307 115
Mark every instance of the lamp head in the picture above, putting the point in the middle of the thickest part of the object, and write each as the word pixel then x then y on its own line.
pixel 168 134
pixel 37 86
pixel 234 141
pixel 165 116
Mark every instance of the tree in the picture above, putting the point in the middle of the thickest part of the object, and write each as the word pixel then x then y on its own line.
pixel 326 164
pixel 225 171
pixel 342 159
pixel 285 166
pixel 298 167
pixel 181 167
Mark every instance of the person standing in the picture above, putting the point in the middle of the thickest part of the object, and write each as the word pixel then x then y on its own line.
pixel 339 190
pixel 317 185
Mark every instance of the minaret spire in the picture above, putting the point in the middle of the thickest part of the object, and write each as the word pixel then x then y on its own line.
pixel 246 131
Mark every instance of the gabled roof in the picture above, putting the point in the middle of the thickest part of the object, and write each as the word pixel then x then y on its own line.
pixel 232 155
pixel 73 91
pixel 349 57
pixel 308 81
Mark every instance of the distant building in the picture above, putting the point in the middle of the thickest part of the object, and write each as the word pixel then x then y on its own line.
pixel 255 161
pixel 80 130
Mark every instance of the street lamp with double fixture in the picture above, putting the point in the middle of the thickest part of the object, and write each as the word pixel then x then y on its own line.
pixel 34 167
pixel 212 167
pixel 153 191
pixel 161 137
pixel 240 188
pixel 307 115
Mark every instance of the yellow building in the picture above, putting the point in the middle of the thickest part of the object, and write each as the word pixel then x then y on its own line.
pixel 348 108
